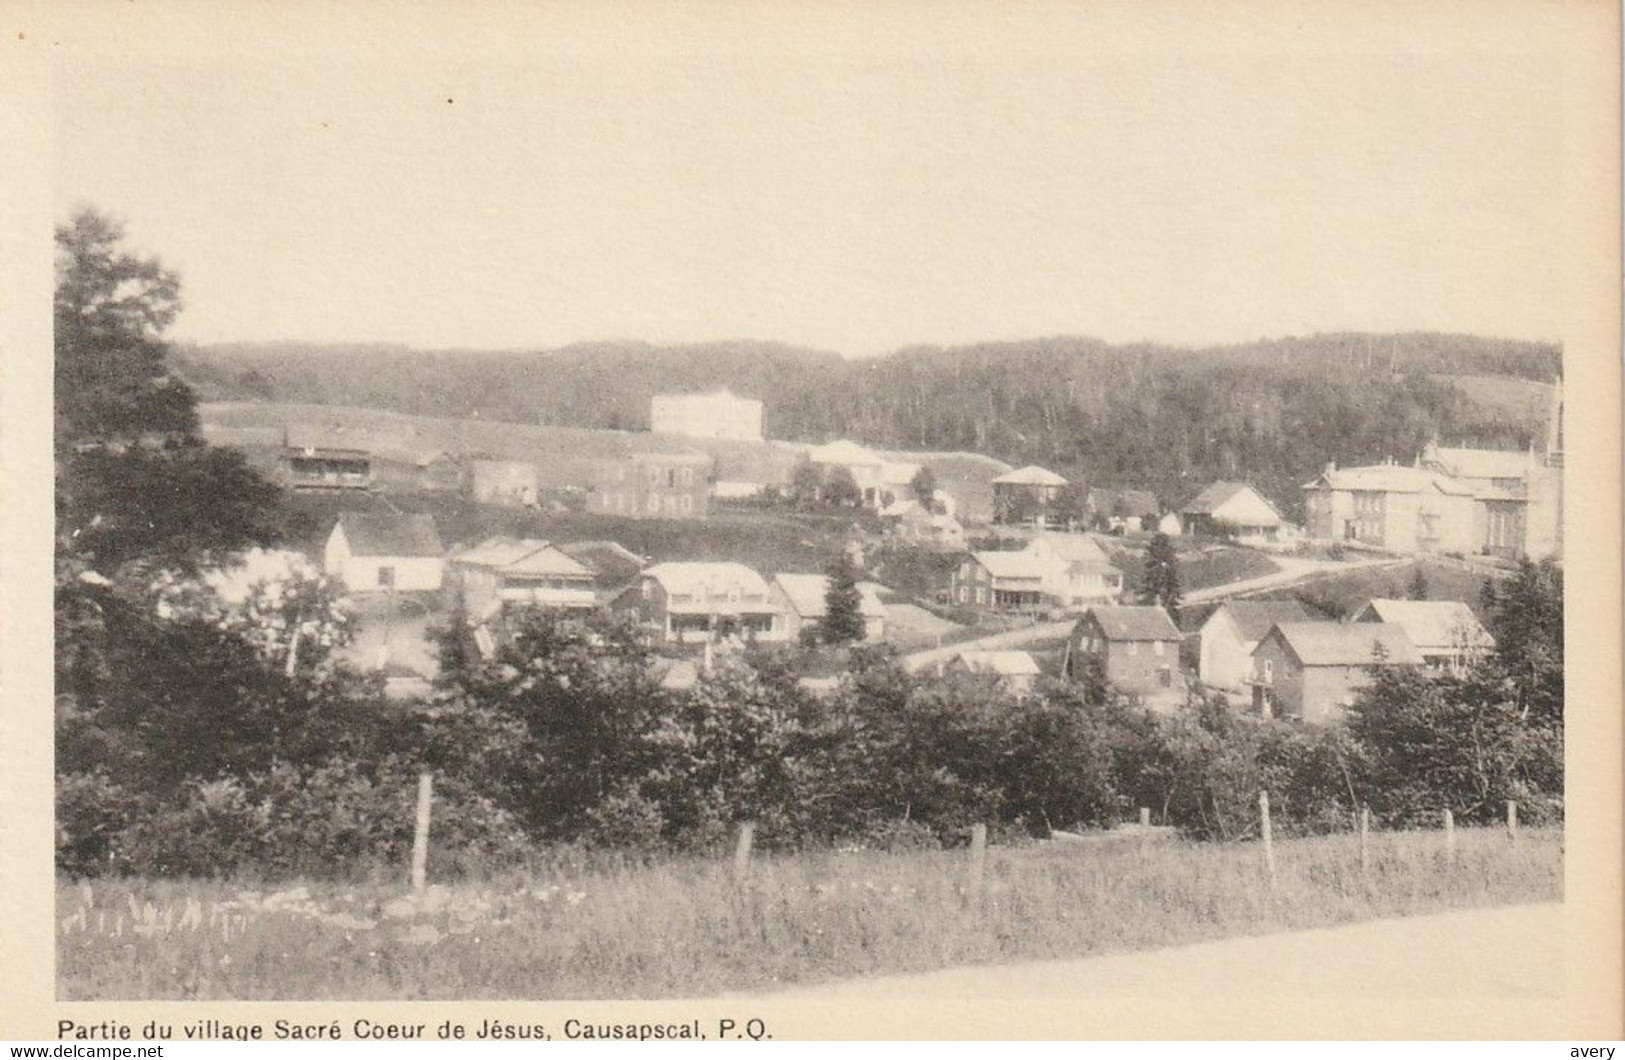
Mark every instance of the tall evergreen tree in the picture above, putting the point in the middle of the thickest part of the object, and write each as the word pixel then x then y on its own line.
pixel 1160 582
pixel 134 481
pixel 843 604
pixel 1418 588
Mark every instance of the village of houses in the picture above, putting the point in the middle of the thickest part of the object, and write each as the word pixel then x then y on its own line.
pixel 1052 593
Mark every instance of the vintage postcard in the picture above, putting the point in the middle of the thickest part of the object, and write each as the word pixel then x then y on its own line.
pixel 712 521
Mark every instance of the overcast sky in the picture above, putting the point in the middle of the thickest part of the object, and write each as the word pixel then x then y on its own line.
pixel 999 183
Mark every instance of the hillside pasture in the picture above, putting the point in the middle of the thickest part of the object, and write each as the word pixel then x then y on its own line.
pixel 582 926
pixel 1340 595
pixel 1201 565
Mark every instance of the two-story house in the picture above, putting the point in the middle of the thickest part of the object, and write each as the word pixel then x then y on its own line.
pixel 1054 572
pixel 1228 636
pixel 503 573
pixel 1026 495
pixel 696 602
pixel 1137 648
pixel 655 486
pixel 1312 671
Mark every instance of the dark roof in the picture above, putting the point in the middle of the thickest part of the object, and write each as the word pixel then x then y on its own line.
pixel 1253 618
pixel 612 565
pixel 1122 622
pixel 387 534
pixel 1215 495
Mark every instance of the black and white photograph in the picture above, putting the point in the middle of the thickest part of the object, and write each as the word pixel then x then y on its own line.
pixel 799 505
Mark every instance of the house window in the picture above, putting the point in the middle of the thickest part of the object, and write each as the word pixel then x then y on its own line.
pixel 685 504
pixel 671 478
pixel 1156 648
pixel 386 577
pixel 1269 671
pixel 648 589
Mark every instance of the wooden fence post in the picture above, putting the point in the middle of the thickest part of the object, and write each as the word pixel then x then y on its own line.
pixel 747 833
pixel 1512 820
pixel 978 857
pixel 1365 840
pixel 1450 836
pixel 1267 834
pixel 420 833
pixel 1145 831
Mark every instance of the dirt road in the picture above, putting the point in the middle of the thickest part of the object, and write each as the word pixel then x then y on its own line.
pixel 1510 951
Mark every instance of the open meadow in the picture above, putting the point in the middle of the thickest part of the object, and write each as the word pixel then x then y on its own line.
pixel 593 926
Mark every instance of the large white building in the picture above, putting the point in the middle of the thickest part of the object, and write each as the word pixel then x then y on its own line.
pixel 717 415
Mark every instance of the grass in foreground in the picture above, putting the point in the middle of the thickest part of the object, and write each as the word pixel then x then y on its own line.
pixel 685 928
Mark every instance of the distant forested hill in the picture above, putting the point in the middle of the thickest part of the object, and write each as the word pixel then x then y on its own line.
pixel 1168 419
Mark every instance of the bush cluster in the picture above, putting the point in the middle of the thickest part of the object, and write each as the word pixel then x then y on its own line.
pixel 178 760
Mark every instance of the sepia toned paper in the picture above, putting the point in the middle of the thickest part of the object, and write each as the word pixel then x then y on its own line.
pixel 947 105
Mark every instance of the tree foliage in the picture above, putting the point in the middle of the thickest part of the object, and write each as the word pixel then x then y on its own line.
pixel 843 604
pixel 1160 582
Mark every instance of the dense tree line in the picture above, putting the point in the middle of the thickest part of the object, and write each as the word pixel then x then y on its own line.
pixel 564 735
pixel 1169 420
pixel 200 735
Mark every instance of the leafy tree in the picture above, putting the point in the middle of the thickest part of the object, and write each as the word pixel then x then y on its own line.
pixel 1433 742
pixel 1418 587
pixel 843 603
pixel 806 485
pixel 133 480
pixel 924 487
pixel 1070 507
pixel 1160 582
pixel 572 709
pixel 840 488
pixel 111 307
pixel 1017 507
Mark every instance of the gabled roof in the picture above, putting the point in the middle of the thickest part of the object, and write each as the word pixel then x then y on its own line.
pixel 1219 494
pixel 1390 478
pixel 1015 565
pixel 521 557
pixel 1479 463
pixel 388 534
pixel 898 472
pixel 1031 475
pixel 806 595
pixel 1346 643
pixel 498 551
pixel 1068 548
pixel 1448 625
pixel 1128 622
pixel 844 452
pixel 1003 663
pixel 707 579
pixel 1253 618
pixel 547 561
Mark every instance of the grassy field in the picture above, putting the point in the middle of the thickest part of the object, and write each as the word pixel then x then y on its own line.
pixel 575 928
pixel 1340 594
pixel 1199 568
